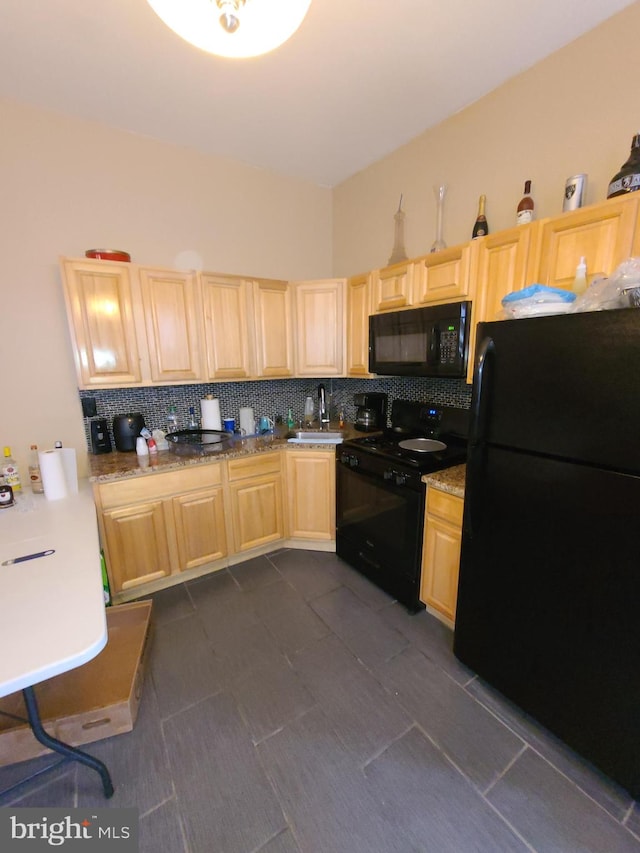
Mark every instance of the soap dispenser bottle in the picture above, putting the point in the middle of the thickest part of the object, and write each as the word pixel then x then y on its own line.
pixel 580 281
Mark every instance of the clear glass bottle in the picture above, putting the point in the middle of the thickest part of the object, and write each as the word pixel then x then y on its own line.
pixel 627 180
pixel 526 207
pixel 10 471
pixel 193 420
pixel 308 411
pixel 172 420
pixel 35 477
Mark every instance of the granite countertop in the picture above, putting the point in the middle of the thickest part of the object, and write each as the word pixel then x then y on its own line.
pixel 450 480
pixel 117 465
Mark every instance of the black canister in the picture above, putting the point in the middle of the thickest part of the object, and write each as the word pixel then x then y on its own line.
pixel 126 428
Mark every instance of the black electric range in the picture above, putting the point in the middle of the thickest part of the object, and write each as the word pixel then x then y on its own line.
pixel 423 438
pixel 380 495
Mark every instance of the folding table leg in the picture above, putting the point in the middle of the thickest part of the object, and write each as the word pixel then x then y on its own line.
pixel 63 748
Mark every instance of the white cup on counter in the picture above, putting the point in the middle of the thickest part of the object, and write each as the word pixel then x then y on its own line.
pixel 247 421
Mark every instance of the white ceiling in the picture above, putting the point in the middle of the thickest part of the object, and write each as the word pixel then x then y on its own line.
pixel 359 79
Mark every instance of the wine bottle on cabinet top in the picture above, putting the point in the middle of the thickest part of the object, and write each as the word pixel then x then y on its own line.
pixel 526 207
pixel 627 180
pixel 481 227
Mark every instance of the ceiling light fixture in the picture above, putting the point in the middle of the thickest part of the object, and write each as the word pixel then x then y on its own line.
pixel 233 28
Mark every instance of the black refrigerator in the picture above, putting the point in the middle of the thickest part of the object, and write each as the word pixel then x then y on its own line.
pixel 549 592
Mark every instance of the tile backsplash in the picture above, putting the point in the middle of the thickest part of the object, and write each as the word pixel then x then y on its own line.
pixel 273 397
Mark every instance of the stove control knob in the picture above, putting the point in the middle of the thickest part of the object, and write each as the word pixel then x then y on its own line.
pixel 354 461
pixel 400 479
pixel 388 474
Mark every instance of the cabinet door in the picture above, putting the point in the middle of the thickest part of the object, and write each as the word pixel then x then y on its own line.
pixel 441 552
pixel 172 316
pixel 392 287
pixel 441 561
pixel 100 311
pixel 273 325
pixel 444 276
pixel 501 268
pixel 200 527
pixel 137 545
pixel 358 310
pixel 311 495
pixel 256 508
pixel 319 327
pixel 603 234
pixel 228 353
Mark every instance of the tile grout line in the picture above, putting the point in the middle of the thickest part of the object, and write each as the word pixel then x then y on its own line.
pixel 469 781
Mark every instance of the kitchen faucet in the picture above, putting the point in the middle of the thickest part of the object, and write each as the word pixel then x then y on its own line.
pixel 323 413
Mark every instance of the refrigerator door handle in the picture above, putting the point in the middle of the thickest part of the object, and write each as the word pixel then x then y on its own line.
pixel 486 352
pixel 477 433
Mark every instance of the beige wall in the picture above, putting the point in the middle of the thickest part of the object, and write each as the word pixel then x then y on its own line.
pixel 573 112
pixel 69 185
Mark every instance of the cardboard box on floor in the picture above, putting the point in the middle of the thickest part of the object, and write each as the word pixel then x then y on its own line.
pixel 91 702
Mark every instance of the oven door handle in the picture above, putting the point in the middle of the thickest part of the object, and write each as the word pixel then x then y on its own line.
pixel 367 559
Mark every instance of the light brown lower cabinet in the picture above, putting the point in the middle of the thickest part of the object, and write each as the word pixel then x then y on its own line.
pixel 200 518
pixel 441 553
pixel 311 495
pixel 255 499
pixel 200 527
pixel 156 526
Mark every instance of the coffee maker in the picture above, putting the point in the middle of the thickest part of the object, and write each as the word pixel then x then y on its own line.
pixel 100 441
pixel 371 414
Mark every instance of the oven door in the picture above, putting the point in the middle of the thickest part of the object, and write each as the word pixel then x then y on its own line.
pixel 379 527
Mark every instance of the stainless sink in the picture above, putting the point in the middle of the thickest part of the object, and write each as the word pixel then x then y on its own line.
pixel 325 436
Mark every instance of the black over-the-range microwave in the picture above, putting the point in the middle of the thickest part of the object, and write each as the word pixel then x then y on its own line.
pixel 428 341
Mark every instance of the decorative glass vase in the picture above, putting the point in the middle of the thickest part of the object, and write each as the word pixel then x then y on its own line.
pixel 439 192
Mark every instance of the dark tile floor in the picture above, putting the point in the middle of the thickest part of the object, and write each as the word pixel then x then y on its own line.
pixel 292 707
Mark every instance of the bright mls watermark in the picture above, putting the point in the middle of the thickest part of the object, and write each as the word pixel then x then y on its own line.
pixel 84 830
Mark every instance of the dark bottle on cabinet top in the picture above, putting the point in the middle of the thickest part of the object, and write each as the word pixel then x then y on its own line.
pixel 481 227
pixel 627 180
pixel 525 209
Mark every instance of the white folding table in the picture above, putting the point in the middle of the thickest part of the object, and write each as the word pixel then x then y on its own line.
pixel 52 611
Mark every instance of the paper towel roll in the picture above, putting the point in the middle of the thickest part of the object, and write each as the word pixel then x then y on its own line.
pixel 52 475
pixel 210 413
pixel 247 420
pixel 70 468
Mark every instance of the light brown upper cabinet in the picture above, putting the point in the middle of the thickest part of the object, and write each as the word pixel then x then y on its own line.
pixel 358 311
pixel 444 276
pixel 172 315
pixel 105 322
pixel 603 234
pixel 393 287
pixel 500 268
pixel 319 327
pixel 226 327
pixel 272 314
pixel 132 325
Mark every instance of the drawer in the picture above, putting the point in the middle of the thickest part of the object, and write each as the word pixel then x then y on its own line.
pixel 255 465
pixel 445 506
pixel 157 486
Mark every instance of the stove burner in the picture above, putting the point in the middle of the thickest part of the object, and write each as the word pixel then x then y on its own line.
pixel 423 445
